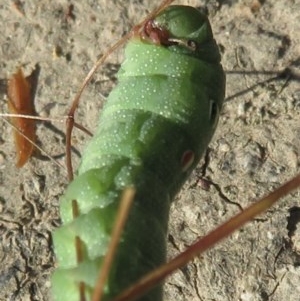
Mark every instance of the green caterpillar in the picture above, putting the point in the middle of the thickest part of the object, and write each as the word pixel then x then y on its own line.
pixel 152 132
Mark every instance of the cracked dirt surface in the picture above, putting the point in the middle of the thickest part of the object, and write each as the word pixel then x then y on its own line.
pixel 256 146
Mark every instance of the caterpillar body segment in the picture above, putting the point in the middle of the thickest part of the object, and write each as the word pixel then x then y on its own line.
pixel 152 132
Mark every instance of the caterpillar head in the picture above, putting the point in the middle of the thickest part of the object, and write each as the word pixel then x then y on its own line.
pixel 183 29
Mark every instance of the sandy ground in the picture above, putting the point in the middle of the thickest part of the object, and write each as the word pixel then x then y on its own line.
pixel 255 149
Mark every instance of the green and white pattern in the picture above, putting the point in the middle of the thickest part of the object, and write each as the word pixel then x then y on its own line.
pixel 152 132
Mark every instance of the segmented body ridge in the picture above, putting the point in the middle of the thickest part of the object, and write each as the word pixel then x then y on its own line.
pixel 157 114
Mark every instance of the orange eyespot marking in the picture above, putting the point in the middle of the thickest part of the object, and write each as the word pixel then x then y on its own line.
pixel 187 160
pixel 20 102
